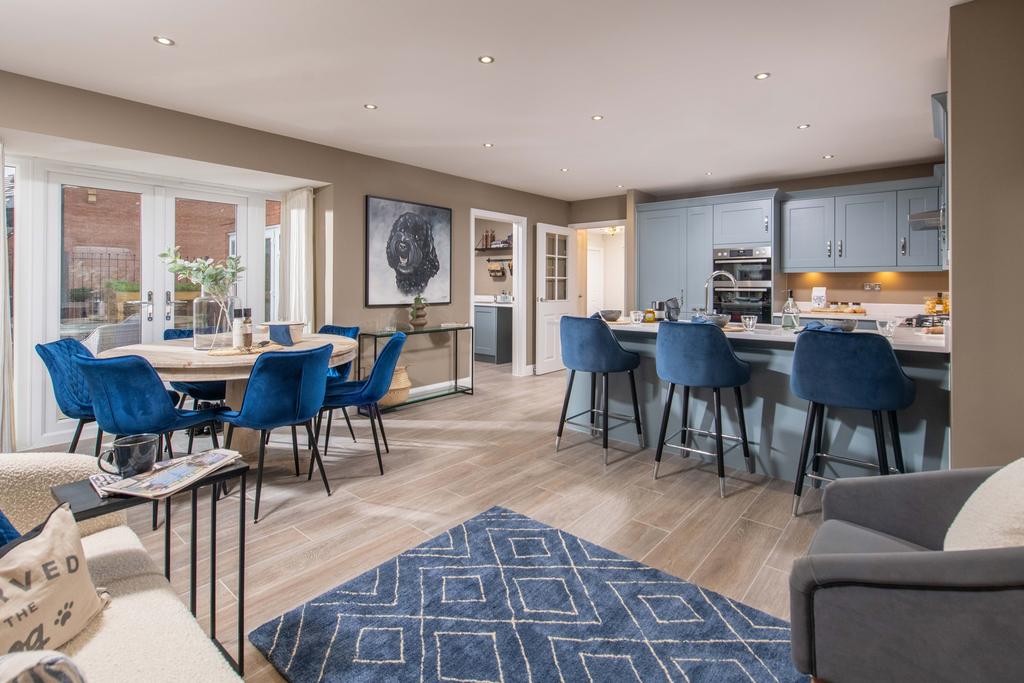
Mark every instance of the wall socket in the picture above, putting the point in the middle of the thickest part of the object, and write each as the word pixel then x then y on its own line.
pixel 872 286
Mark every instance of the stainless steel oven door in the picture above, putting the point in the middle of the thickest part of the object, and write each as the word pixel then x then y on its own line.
pixel 750 272
pixel 737 301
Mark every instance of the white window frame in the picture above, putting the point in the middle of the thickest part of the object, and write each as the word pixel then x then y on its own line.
pixel 273 233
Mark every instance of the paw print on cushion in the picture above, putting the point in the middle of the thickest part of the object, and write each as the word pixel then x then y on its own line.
pixel 64 613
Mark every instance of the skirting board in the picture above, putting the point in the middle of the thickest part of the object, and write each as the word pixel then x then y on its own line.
pixel 439 386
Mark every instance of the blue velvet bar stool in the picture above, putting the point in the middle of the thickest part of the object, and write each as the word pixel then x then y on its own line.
pixel 588 345
pixel 839 369
pixel 367 393
pixel 698 355
pixel 69 387
pixel 210 392
pixel 285 389
pixel 336 376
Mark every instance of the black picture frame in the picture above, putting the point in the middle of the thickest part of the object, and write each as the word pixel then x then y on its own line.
pixel 384 285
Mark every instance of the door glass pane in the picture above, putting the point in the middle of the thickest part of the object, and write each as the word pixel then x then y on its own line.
pixel 561 290
pixel 202 229
pixel 549 289
pixel 549 245
pixel 99 294
pixel 550 272
pixel 561 267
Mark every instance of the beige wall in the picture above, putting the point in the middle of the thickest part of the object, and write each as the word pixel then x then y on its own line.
pixel 485 284
pixel 986 121
pixel 599 209
pixel 42 107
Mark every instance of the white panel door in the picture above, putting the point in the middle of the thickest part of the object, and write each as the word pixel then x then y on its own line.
pixel 557 291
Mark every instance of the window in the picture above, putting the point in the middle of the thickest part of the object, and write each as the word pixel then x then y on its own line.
pixel 272 259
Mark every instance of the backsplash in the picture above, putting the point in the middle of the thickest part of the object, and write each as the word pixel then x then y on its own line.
pixel 897 288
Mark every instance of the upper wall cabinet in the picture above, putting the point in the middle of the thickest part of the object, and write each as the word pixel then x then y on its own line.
pixel 660 244
pixel 808 233
pixel 743 222
pixel 918 245
pixel 866 231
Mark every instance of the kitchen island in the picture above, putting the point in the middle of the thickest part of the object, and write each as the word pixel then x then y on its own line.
pixel 775 416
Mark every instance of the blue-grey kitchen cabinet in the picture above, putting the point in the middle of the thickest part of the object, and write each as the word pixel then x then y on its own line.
pixel 699 257
pixel 918 245
pixel 660 243
pixel 866 231
pixel 808 234
pixel 493 336
pixel 743 222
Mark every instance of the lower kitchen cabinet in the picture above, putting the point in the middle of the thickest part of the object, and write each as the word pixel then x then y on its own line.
pixel 493 334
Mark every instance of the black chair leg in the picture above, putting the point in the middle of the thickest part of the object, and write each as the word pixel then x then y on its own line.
pixel 213 434
pixel 259 477
pixel 376 443
pixel 636 411
pixel 604 403
pixel 316 457
pixel 352 432
pixel 76 437
pixel 295 449
pixel 719 445
pixel 191 430
pixel 316 428
pixel 805 447
pixel 817 462
pixel 593 401
pixel 664 429
pixel 327 434
pixel 743 429
pixel 99 441
pixel 380 423
pixel 684 436
pixel 897 447
pixel 565 409
pixel 883 458
pixel 167 441
pixel 231 433
pixel 181 401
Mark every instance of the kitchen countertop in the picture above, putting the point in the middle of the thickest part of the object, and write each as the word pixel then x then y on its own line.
pixel 905 339
pixel 495 304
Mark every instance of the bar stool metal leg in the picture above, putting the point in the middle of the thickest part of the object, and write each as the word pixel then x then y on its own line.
pixel 817 462
pixel 798 485
pixel 743 429
pixel 719 446
pixel 897 447
pixel 664 428
pixel 604 434
pixel 684 438
pixel 565 409
pixel 593 401
pixel 883 458
pixel 636 411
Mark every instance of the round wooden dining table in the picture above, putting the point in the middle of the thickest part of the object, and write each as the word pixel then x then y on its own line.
pixel 177 361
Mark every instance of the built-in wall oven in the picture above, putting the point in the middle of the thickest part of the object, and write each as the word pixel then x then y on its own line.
pixel 752 293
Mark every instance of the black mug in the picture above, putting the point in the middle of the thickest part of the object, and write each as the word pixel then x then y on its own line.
pixel 131 455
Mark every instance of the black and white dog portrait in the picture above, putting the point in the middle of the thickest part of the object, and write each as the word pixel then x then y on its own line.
pixel 408 252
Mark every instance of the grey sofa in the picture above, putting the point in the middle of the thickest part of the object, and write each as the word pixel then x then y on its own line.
pixel 876 598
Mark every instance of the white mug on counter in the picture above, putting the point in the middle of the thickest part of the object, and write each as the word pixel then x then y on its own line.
pixel 636 317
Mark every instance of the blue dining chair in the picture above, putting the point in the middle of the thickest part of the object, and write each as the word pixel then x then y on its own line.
pixel 211 392
pixel 336 376
pixel 285 389
pixel 69 387
pixel 366 393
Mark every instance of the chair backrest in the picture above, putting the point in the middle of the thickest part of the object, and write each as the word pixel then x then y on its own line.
pixel 69 386
pixel 178 333
pixel 104 337
pixel 850 370
pixel 588 345
pixel 698 355
pixel 342 371
pixel 286 387
pixel 379 381
pixel 128 397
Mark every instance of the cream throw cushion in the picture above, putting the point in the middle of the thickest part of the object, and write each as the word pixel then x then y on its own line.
pixel 993 517
pixel 46 593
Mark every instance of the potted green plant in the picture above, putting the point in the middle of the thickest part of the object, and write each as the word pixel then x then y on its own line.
pixel 212 309
pixel 418 311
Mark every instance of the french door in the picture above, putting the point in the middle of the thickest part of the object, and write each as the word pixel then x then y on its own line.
pixel 557 292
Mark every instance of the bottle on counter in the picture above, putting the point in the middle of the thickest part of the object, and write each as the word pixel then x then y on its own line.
pixel 790 314
pixel 247 327
pixel 236 328
pixel 936 305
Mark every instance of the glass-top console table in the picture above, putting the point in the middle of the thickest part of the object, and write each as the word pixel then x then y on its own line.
pixel 452 330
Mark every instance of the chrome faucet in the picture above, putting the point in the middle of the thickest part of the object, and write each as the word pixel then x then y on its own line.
pixel 707 288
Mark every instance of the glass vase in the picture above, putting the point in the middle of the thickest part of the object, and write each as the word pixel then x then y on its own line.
pixel 211 321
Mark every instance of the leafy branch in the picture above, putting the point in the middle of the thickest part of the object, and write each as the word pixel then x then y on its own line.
pixel 215 277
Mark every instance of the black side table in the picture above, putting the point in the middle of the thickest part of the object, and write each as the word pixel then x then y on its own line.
pixel 86 504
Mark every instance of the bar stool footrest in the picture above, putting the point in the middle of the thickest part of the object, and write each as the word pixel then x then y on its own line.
pixel 847 461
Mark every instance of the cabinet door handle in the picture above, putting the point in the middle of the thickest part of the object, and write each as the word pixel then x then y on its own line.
pixel 840 253
pixel 903 246
pixel 828 249
pixel 149 305
pixel 766 223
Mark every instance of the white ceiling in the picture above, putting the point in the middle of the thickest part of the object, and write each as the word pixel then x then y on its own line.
pixel 673 78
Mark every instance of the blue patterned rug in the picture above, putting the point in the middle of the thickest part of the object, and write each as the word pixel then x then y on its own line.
pixel 505 598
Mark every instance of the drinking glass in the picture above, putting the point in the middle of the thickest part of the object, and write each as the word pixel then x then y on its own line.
pixel 887 326
pixel 636 317
pixel 749 321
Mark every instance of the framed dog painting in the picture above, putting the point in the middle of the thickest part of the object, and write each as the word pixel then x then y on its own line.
pixel 408 252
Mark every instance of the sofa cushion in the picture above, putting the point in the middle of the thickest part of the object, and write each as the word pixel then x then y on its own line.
pixel 993 516
pixel 839 537
pixel 147 634
pixel 117 553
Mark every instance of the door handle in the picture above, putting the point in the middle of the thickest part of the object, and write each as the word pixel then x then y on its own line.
pixel 541 299
pixel 149 304
pixel 840 253
pixel 169 303
pixel 903 246
pixel 828 249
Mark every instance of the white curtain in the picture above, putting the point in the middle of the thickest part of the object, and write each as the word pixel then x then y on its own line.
pixel 296 299
pixel 6 340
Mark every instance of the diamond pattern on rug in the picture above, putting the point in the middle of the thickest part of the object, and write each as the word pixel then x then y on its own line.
pixel 504 598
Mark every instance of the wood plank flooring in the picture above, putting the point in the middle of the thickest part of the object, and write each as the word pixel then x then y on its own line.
pixel 456 457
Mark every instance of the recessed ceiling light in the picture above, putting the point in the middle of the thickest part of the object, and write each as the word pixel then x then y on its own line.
pixel 620 186
pixel 761 76
pixel 369 106
pixel 828 156
pixel 163 40
pixel 488 144
pixel 565 170
pixel 485 59
pixel 804 126
pixel 708 173
pixel 597 117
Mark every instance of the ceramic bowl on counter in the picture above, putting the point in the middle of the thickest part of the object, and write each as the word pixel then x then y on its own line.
pixel 720 319
pixel 845 324
pixel 610 315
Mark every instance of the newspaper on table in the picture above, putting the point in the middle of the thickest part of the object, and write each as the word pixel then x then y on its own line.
pixel 173 475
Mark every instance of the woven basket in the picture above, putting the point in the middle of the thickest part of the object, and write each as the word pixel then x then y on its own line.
pixel 399 390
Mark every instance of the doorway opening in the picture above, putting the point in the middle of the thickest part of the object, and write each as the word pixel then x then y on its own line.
pixel 602 268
